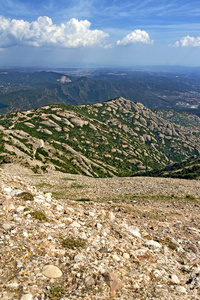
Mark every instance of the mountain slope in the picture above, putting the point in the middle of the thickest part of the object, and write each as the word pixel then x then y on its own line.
pixel 114 138
pixel 187 169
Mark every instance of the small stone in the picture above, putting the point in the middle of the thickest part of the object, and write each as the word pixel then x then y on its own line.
pixel 111 216
pixel 91 214
pixel 153 244
pixel 126 256
pixel 39 199
pixel 51 271
pixel 181 289
pixel 27 297
pixel 7 226
pixel 99 226
pixel 175 279
pixel 115 257
pixel 13 285
pixel 48 197
pixel 134 231
pixel 20 208
pixel 157 273
pixel 11 207
pixel 75 224
pixel 89 281
pixel 79 257
pixel 25 234
pixel 113 282
pixel 59 207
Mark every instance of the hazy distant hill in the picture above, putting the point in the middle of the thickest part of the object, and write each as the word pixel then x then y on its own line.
pixel 28 90
pixel 117 137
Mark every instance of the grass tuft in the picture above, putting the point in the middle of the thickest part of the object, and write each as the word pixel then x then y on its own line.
pixel 39 215
pixel 26 196
pixel 72 243
pixel 55 292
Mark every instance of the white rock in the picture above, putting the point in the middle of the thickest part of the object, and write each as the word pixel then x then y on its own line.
pixel 51 271
pixel 115 257
pixel 111 216
pixel 59 207
pixel 15 192
pixel 181 289
pixel 75 224
pixel 157 273
pixel 13 285
pixel 134 231
pixel 25 234
pixel 69 219
pixel 99 226
pixel 126 256
pixel 70 209
pixel 79 257
pixel 91 214
pixel 175 279
pixel 20 208
pixel 11 207
pixel 153 244
pixel 39 199
pixel 7 226
pixel 48 196
pixel 8 190
pixel 26 297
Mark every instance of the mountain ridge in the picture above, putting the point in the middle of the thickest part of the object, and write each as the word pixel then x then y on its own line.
pixel 114 138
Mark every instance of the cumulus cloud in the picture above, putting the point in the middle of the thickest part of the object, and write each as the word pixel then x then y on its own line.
pixel 188 41
pixel 136 36
pixel 43 32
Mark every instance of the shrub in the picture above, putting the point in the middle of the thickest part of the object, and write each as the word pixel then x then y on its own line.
pixel 55 292
pixel 26 196
pixel 39 215
pixel 72 243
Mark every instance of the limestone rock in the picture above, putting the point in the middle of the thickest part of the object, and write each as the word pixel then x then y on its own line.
pixel 51 271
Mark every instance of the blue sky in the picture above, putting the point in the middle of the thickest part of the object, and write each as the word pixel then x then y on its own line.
pixel 62 33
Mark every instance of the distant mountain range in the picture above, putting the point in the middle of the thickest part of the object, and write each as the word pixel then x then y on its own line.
pixel 113 138
pixel 29 90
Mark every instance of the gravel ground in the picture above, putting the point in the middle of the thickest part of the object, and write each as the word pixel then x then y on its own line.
pixel 121 238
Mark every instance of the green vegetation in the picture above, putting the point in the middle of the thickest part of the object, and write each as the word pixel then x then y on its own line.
pixel 55 292
pixel 83 200
pixel 72 243
pixel 39 216
pixel 26 196
pixel 188 169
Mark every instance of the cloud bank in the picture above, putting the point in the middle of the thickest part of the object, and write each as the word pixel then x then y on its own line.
pixel 136 36
pixel 43 32
pixel 188 41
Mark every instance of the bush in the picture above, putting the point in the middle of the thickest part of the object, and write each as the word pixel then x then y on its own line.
pixel 39 215
pixel 72 243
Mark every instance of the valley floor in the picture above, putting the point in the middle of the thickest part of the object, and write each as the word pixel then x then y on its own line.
pixel 126 238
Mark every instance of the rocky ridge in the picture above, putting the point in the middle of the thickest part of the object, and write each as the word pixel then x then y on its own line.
pixel 125 238
pixel 114 138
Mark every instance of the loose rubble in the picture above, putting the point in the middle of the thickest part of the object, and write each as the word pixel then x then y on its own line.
pixel 66 249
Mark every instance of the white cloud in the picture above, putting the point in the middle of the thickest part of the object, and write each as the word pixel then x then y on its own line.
pixel 136 36
pixel 43 32
pixel 188 41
